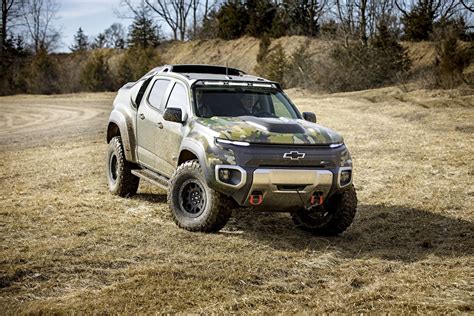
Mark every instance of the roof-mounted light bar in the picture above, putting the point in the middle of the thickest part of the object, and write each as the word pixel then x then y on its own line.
pixel 236 84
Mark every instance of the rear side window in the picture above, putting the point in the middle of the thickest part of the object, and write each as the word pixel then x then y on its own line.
pixel 138 90
pixel 141 92
pixel 157 93
pixel 177 97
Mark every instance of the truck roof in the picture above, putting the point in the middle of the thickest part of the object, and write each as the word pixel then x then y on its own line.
pixel 193 73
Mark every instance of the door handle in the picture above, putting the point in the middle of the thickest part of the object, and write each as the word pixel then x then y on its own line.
pixel 160 125
pixel 141 116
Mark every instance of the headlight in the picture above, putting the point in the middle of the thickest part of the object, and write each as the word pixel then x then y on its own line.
pixel 336 145
pixel 231 142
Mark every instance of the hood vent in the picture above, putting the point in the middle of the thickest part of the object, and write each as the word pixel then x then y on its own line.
pixel 274 125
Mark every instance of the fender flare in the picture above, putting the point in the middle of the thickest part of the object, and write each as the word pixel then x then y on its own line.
pixel 127 134
pixel 198 150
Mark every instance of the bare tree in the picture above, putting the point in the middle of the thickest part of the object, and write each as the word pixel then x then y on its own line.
pixel 174 13
pixel 137 9
pixel 115 36
pixel 420 16
pixel 38 16
pixel 360 18
pixel 10 14
pixel 469 7
pixel 436 9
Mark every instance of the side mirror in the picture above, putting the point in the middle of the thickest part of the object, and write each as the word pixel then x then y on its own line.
pixel 174 115
pixel 309 116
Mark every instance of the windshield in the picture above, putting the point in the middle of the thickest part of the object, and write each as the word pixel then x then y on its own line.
pixel 233 101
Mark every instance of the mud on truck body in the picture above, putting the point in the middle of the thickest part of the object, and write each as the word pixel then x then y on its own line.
pixel 217 139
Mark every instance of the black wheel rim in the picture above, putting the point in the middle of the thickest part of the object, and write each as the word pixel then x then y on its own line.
pixel 192 198
pixel 113 166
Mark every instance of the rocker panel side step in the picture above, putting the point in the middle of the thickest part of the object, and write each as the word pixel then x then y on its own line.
pixel 152 177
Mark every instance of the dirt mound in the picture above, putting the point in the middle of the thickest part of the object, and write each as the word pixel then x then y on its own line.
pixel 242 52
pixel 419 97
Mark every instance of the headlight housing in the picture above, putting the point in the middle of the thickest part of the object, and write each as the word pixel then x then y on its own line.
pixel 344 176
pixel 231 176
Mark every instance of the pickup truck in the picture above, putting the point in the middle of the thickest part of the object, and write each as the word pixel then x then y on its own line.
pixel 217 139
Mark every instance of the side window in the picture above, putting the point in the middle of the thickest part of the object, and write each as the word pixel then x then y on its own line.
pixel 157 92
pixel 280 109
pixel 178 98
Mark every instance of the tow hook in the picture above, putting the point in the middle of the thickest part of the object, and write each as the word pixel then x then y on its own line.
pixel 256 198
pixel 316 199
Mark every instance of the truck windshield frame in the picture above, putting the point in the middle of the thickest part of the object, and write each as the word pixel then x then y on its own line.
pixel 241 100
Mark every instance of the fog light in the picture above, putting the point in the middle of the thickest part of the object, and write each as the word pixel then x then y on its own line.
pixel 233 176
pixel 345 177
pixel 224 175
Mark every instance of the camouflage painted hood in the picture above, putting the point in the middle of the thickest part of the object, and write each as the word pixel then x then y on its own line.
pixel 270 130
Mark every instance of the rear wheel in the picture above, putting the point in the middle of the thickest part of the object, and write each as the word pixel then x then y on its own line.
pixel 195 206
pixel 120 179
pixel 332 217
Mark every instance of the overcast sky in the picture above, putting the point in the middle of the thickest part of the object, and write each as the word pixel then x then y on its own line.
pixel 93 16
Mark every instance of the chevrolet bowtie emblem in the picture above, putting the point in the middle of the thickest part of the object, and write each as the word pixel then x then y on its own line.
pixel 294 155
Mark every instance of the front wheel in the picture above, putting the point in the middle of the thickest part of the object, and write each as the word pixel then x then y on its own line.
pixel 332 217
pixel 195 206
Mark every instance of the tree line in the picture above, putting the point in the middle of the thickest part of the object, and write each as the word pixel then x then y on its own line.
pixel 366 37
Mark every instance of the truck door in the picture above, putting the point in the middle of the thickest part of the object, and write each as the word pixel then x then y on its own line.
pixel 149 115
pixel 172 133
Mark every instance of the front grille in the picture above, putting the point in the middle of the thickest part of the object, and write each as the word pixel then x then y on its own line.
pixel 305 166
pixel 273 156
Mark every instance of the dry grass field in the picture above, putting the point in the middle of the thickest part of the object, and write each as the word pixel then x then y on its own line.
pixel 67 245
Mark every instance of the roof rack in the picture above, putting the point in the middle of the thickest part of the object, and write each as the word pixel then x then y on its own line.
pixel 205 69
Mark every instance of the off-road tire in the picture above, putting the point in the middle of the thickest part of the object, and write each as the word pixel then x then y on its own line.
pixel 341 209
pixel 216 210
pixel 121 181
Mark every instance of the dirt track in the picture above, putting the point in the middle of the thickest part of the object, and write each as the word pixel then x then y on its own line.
pixel 67 244
pixel 27 121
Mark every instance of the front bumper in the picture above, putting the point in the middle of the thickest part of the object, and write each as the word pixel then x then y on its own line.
pixel 282 189
pixel 285 184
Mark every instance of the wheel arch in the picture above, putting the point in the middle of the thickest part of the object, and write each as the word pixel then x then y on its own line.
pixel 186 155
pixel 112 131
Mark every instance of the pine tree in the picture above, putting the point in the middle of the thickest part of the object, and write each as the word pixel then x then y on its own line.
pixel 81 42
pixel 143 33
pixel 232 21
pixel 391 55
pixel 274 65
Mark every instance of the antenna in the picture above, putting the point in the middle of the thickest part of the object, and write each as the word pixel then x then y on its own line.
pixel 227 69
